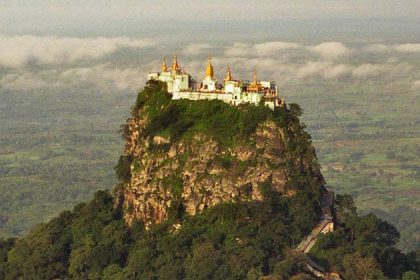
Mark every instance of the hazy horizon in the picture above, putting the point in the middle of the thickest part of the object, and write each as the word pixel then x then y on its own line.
pixel 216 20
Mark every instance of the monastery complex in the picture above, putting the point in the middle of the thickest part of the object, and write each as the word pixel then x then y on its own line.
pixel 235 92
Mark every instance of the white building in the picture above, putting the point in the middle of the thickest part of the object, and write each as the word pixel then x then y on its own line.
pixel 234 92
pixel 175 78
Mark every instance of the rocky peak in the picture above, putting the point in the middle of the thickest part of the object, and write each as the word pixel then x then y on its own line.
pixel 172 175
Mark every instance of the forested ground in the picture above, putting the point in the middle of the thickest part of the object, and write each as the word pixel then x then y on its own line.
pixel 243 240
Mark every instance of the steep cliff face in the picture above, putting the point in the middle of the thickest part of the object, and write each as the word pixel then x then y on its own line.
pixel 176 171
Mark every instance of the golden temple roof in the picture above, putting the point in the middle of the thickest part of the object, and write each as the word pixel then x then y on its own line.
pixel 228 75
pixel 210 70
pixel 164 66
pixel 175 65
pixel 255 85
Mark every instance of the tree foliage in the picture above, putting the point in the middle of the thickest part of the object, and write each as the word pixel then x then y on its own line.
pixel 242 240
pixel 362 247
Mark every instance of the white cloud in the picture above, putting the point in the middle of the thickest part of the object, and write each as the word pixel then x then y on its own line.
pixel 331 50
pixel 368 70
pixel 105 76
pixel 408 48
pixel 402 48
pixel 270 48
pixel 260 50
pixel 336 71
pixel 392 60
pixel 22 82
pixel 393 71
pixel 377 48
pixel 281 61
pixel 239 49
pixel 196 49
pixel 313 69
pixel 16 51
pixel 416 85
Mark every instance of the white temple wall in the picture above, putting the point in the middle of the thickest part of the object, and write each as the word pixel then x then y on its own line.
pixel 179 85
pixel 202 96
pixel 234 99
pixel 181 82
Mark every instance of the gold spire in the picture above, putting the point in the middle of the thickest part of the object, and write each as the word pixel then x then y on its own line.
pixel 228 75
pixel 254 86
pixel 209 70
pixel 164 66
pixel 175 65
pixel 254 81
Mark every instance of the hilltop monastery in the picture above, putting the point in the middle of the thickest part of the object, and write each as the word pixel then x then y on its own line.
pixel 182 86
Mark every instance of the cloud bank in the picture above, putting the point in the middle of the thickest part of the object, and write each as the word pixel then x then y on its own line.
pixel 331 50
pixel 262 49
pixel 33 62
pixel 16 51
pixel 401 48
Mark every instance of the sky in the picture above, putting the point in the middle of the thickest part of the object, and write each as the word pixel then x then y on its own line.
pixel 103 10
pixel 146 17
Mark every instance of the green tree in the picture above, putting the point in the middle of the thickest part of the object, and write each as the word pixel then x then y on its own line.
pixel 113 272
pixel 43 254
pixel 357 267
pixel 292 265
pixel 205 262
pixel 345 207
pixel 5 246
pixel 410 275
pixel 100 237
pixel 302 276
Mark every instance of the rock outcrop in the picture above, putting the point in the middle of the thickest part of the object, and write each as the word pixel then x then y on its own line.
pixel 192 174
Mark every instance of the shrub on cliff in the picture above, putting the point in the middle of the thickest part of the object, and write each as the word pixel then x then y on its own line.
pixel 123 168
